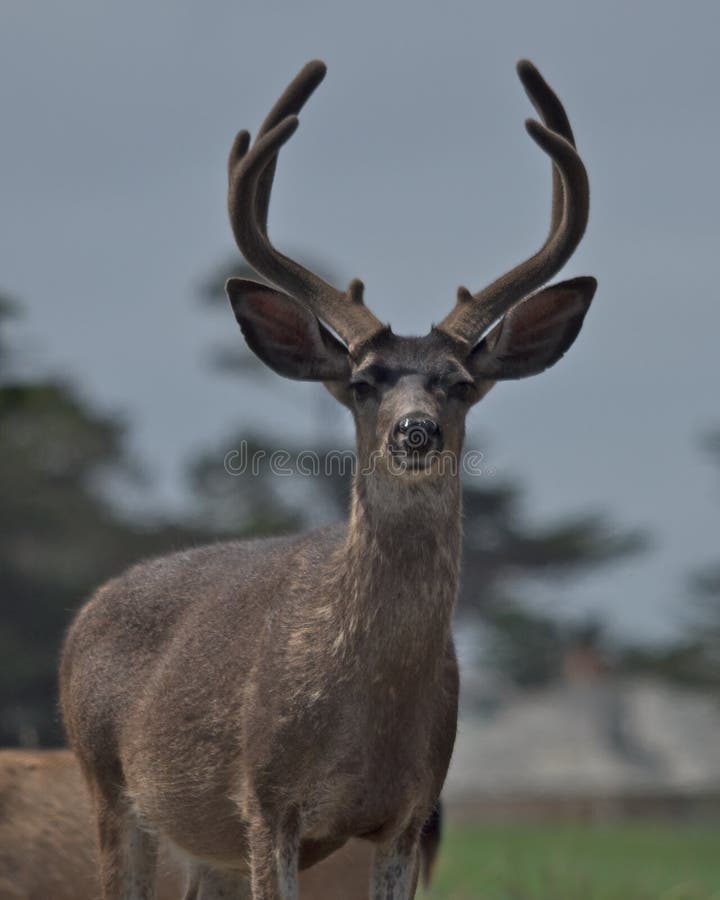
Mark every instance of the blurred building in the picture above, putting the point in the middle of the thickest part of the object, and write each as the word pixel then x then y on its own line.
pixel 596 744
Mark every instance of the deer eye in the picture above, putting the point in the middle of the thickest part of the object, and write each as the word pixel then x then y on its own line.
pixel 363 390
pixel 461 390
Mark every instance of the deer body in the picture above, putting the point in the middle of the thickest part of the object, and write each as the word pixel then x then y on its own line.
pixel 260 703
pixel 307 691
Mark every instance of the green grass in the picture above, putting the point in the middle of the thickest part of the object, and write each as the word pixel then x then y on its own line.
pixel 574 862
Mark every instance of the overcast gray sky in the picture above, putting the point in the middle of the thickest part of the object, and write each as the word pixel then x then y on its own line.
pixel 412 170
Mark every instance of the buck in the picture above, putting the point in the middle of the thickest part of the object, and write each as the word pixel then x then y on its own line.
pixel 259 703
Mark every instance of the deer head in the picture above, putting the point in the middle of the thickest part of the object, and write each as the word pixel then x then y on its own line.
pixel 409 395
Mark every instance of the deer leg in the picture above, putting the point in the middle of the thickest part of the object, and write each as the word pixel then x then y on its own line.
pixel 288 853
pixel 128 854
pixel 395 868
pixel 192 891
pixel 211 884
pixel 194 881
pixel 274 854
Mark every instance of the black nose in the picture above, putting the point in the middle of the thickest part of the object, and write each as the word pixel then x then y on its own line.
pixel 417 435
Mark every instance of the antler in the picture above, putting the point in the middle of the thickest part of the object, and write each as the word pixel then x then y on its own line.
pixel 250 177
pixel 474 313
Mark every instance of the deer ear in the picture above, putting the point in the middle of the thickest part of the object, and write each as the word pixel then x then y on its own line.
pixel 285 335
pixel 536 333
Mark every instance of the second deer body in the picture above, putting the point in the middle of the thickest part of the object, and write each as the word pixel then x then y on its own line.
pixel 260 703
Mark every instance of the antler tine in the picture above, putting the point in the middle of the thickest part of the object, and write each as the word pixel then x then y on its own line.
pixel 474 313
pixel 293 98
pixel 553 115
pixel 250 176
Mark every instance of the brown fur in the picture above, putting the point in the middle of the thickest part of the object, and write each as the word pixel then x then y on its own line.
pixel 48 844
pixel 259 704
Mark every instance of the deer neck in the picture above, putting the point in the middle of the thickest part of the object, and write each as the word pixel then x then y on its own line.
pixel 400 564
